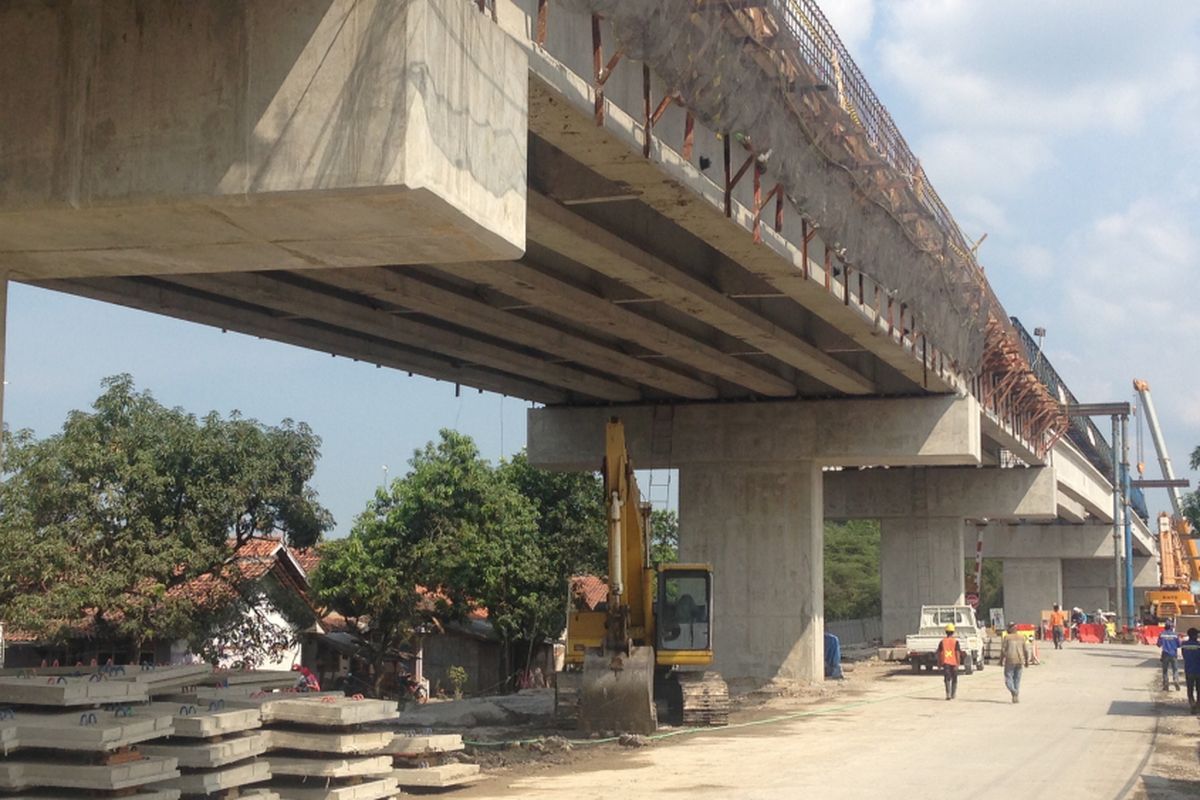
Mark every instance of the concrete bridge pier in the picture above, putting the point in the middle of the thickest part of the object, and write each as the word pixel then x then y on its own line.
pixel 761 528
pixel 920 563
pixel 751 498
pixel 1031 585
pixel 923 514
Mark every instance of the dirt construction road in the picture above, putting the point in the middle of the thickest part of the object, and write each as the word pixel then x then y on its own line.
pixel 1091 724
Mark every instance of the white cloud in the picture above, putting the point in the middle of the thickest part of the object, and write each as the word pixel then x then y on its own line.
pixel 853 20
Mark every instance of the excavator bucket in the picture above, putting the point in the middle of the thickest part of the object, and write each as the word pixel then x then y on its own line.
pixel 618 692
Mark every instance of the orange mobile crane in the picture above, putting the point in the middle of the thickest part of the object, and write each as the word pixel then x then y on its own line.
pixel 1179 560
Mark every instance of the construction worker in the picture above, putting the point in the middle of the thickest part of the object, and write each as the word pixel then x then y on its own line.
pixel 1168 643
pixel 949 656
pixel 1058 622
pixel 1014 657
pixel 1191 666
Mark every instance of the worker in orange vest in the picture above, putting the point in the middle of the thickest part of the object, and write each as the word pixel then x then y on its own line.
pixel 949 656
pixel 1058 622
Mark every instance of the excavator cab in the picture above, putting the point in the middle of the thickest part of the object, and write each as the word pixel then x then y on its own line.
pixel 684 615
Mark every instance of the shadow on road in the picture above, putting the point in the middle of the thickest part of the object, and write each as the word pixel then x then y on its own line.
pixel 1156 788
pixel 1133 708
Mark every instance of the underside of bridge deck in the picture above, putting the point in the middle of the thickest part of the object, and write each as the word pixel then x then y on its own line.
pixel 612 303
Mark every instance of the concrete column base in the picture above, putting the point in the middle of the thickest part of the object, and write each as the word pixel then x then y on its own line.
pixel 920 563
pixel 761 528
pixel 1031 586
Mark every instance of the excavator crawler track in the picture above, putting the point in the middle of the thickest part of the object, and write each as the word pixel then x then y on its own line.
pixel 705 699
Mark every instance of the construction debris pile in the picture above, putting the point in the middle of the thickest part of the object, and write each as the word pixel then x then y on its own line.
pixel 171 732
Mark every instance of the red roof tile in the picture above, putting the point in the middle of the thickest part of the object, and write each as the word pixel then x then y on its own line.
pixel 589 591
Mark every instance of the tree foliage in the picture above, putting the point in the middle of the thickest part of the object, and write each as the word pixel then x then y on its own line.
pixel 503 538
pixel 99 521
pixel 852 570
pixel 664 536
pixel 1191 500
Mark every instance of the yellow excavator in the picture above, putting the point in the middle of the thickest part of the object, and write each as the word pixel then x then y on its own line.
pixel 653 634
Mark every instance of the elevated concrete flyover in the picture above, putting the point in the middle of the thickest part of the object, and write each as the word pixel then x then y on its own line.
pixel 517 196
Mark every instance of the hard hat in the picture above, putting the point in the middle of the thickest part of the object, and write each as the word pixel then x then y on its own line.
pixel 950 628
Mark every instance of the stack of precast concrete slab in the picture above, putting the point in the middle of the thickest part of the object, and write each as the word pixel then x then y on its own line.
pixel 422 761
pixel 187 732
pixel 77 733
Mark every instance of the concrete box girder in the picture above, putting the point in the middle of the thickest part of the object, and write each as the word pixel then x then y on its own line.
pixel 1081 481
pixel 957 492
pixel 293 135
pixel 937 430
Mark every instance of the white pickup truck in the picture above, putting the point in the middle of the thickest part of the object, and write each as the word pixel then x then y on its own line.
pixel 922 646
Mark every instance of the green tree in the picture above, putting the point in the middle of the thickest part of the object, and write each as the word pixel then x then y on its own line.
pixel 100 521
pixel 1191 501
pixel 455 526
pixel 664 536
pixel 852 570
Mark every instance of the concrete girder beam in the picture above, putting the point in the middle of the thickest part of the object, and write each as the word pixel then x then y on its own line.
pixel 270 292
pixel 952 492
pixel 1070 510
pixel 193 137
pixel 525 282
pixel 174 301
pixel 1081 481
pixel 937 430
pixel 405 291
pixel 558 228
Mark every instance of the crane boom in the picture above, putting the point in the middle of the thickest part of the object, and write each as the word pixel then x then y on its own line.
pixel 1160 446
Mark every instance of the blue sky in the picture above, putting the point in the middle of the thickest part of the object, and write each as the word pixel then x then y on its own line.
pixel 1066 132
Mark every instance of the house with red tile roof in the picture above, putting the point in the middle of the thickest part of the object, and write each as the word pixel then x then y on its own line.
pixel 262 579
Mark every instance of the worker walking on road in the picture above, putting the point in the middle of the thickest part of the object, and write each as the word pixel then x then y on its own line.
pixel 1058 622
pixel 1168 642
pixel 1014 657
pixel 1191 666
pixel 949 656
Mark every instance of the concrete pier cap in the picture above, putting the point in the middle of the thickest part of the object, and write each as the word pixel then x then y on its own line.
pixel 294 134
pixel 936 430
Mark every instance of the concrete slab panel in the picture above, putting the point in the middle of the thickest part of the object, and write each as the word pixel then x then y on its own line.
pixel 128 794
pixel 19 774
pixel 192 754
pixel 402 745
pixel 321 742
pixel 194 720
pixel 370 790
pixel 221 779
pixel 93 731
pixel 330 767
pixel 329 711
pixel 68 691
pixel 441 777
